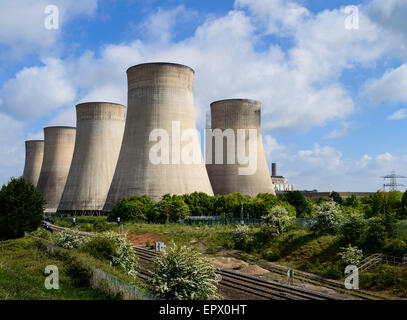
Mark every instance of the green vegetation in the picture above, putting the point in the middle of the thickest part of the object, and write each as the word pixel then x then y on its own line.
pixel 21 207
pixel 181 273
pixel 22 265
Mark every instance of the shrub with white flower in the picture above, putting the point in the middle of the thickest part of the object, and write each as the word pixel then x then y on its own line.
pixel 181 273
pixel 279 219
pixel 351 255
pixel 115 248
pixel 328 217
pixel 67 239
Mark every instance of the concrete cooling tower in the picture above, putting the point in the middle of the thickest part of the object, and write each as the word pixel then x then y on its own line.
pixel 160 103
pixel 34 152
pixel 241 165
pixel 59 144
pixel 99 136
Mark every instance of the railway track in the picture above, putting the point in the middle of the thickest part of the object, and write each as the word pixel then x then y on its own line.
pixel 259 288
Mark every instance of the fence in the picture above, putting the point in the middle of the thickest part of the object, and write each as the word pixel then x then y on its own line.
pixel 211 220
pixel 109 283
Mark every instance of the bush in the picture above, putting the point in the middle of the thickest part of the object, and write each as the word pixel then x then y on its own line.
pixel 181 273
pixel 42 233
pixel 79 273
pixel 21 208
pixel 279 219
pixel 271 254
pixel 101 226
pixel 351 255
pixel 328 218
pixel 67 239
pixel 115 248
pixel 242 237
pixel 395 247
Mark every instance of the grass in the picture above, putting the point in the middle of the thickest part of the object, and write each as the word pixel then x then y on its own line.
pixel 212 237
pixel 402 230
pixel 22 265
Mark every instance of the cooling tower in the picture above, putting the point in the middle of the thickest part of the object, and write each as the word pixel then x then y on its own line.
pixel 160 97
pixel 242 165
pixel 34 152
pixel 59 144
pixel 99 134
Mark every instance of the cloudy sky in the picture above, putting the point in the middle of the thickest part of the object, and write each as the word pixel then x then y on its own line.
pixel 333 93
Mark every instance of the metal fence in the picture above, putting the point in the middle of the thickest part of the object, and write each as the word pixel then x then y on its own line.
pixel 220 220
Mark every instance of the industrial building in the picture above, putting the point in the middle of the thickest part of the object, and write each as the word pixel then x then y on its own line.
pixel 227 177
pixel 99 134
pixel 34 153
pixel 59 145
pixel 280 183
pixel 160 97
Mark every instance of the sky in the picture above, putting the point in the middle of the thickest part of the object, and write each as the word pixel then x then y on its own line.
pixel 331 75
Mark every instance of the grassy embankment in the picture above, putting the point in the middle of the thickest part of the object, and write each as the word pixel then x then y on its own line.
pixel 22 265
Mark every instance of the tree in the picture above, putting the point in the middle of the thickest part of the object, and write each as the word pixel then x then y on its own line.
pixel 199 203
pixel 328 217
pixel 352 227
pixel 21 208
pixel 136 208
pixel 335 196
pixel 172 209
pixel 374 238
pixel 403 211
pixel 181 273
pixel 297 200
pixel 352 201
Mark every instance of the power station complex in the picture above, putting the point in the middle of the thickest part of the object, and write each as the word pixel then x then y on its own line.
pixel 153 150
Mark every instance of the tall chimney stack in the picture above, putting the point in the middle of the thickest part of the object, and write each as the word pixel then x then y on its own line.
pixel 274 169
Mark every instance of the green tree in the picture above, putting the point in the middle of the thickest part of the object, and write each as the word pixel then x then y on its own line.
pixel 21 208
pixel 375 235
pixel 200 204
pixel 299 202
pixel 352 228
pixel 335 196
pixel 136 208
pixel 403 206
pixel 181 273
pixel 352 201
pixel 172 209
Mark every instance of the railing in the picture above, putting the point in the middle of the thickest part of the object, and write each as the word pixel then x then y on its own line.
pixel 371 261
pixel 404 260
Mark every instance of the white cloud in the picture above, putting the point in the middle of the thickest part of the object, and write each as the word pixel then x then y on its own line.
pixel 390 87
pixel 338 133
pixel 22 27
pixel 398 115
pixel 36 91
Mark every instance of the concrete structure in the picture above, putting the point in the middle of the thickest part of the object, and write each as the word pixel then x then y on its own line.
pixel 34 152
pixel 160 96
pixel 99 134
pixel 59 144
pixel 280 183
pixel 225 178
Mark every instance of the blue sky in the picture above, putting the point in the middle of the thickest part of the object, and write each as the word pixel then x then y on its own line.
pixel 333 100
